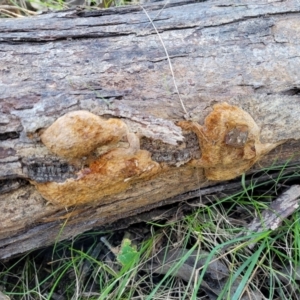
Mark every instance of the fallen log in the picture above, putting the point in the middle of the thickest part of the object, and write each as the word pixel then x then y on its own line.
pixel 106 114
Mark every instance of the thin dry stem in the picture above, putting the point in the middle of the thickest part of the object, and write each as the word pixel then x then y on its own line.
pixel 169 61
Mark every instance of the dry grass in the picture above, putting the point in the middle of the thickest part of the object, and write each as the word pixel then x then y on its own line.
pixel 87 268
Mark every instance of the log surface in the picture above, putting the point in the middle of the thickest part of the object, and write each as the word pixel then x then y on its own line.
pixel 113 64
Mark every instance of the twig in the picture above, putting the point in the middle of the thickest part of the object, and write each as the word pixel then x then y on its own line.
pixel 168 58
pixel 279 209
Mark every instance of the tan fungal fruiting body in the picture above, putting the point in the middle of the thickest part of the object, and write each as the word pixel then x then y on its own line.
pixel 110 174
pixel 229 142
pixel 78 133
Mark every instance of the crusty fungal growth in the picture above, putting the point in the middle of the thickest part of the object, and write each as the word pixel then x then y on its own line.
pixel 78 133
pixel 110 174
pixel 229 142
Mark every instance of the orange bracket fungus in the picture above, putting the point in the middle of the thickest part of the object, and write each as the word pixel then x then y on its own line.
pixel 76 137
pixel 78 133
pixel 102 157
pixel 229 142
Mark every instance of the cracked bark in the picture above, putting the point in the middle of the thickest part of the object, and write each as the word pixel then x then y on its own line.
pixel 112 64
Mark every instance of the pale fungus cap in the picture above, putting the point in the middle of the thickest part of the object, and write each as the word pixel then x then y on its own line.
pixel 78 133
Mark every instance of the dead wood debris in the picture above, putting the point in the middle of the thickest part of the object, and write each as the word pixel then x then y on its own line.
pixel 188 265
pixel 278 210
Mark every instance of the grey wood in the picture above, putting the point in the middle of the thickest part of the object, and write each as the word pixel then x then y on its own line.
pixel 113 64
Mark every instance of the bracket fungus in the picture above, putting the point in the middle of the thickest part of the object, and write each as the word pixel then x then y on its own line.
pixel 75 137
pixel 78 133
pixel 229 141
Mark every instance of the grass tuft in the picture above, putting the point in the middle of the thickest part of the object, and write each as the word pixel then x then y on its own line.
pixel 137 264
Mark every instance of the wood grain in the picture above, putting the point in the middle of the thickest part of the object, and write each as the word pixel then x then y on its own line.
pixel 111 63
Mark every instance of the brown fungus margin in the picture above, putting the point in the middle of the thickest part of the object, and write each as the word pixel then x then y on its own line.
pixel 229 141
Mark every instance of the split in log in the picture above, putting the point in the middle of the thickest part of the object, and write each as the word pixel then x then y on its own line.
pixel 92 124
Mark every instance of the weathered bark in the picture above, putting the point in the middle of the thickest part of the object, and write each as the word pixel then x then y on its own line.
pixel 112 63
